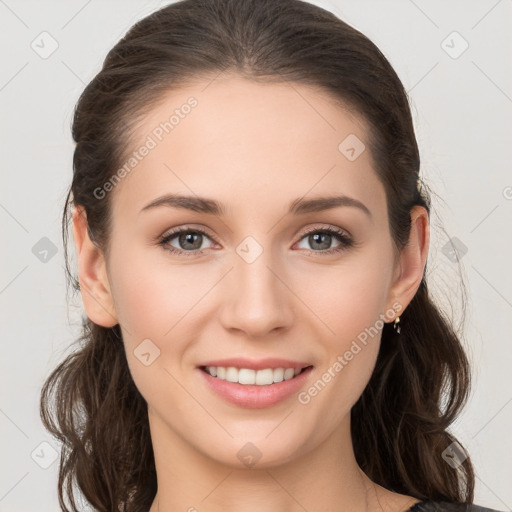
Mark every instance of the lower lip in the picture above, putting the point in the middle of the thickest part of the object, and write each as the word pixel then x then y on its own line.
pixel 256 397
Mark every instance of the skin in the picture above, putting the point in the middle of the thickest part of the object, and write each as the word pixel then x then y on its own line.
pixel 254 147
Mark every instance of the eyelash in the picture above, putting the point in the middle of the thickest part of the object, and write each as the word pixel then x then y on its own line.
pixel 345 241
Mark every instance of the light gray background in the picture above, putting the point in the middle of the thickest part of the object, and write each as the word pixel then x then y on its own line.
pixel 462 109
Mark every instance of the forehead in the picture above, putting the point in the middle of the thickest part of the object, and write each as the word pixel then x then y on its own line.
pixel 247 143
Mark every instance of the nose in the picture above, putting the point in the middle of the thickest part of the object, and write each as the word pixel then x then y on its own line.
pixel 257 299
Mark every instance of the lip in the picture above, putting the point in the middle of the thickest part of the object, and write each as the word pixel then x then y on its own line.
pixel 251 364
pixel 253 396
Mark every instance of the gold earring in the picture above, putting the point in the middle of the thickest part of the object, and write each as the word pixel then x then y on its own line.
pixel 396 325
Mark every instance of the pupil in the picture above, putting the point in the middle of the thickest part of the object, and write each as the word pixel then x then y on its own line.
pixel 189 238
pixel 317 235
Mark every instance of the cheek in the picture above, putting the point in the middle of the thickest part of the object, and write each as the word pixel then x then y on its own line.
pixel 359 323
pixel 347 297
pixel 351 353
pixel 350 300
pixel 163 302
pixel 152 298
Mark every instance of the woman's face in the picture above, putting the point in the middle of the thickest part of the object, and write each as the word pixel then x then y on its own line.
pixel 268 290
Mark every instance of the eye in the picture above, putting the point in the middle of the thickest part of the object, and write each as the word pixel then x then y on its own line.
pixel 322 239
pixel 189 241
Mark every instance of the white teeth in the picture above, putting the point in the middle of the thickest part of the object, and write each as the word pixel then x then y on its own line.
pixel 265 377
pixel 246 376
pixel 231 374
pixel 289 373
pixel 279 374
pixel 250 377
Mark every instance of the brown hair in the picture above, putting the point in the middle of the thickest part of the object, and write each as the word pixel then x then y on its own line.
pixel 421 379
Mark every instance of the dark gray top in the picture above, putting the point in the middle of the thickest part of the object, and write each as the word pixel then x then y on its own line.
pixel 443 506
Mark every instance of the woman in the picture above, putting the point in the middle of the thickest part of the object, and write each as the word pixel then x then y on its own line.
pixel 252 237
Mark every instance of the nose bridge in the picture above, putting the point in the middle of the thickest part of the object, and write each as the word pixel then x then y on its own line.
pixel 258 301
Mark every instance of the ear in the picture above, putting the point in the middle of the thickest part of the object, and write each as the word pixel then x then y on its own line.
pixel 411 260
pixel 94 284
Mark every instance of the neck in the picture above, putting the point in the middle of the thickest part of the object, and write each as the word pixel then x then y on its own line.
pixel 326 478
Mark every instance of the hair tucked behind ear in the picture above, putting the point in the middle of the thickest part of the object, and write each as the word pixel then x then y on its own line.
pixel 421 379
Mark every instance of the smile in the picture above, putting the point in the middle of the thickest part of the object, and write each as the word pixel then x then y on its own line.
pixel 248 376
pixel 267 383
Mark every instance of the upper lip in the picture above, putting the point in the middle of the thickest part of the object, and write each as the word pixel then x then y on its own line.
pixel 253 364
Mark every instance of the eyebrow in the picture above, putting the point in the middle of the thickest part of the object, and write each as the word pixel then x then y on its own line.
pixel 296 207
